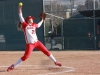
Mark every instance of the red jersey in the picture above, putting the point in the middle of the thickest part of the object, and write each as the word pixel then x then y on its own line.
pixel 29 30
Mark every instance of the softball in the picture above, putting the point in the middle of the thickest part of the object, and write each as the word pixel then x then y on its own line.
pixel 20 4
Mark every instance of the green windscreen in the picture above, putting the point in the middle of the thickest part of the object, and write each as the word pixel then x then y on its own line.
pixel 10 38
pixel 80 33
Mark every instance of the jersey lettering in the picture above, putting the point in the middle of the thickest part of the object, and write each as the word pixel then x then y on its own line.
pixel 33 31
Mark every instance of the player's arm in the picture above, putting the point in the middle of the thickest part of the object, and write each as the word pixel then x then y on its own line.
pixel 42 18
pixel 40 23
pixel 20 14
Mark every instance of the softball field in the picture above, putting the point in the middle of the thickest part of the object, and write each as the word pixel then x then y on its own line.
pixel 74 63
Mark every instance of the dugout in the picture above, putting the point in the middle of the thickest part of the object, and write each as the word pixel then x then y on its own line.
pixel 10 38
pixel 80 34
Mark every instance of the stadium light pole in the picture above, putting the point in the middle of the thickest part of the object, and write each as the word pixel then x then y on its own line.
pixel 51 23
pixel 72 6
pixel 44 21
pixel 94 24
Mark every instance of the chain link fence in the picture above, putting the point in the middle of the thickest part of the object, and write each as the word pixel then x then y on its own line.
pixel 74 11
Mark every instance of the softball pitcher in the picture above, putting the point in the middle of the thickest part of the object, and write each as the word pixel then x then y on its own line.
pixel 29 29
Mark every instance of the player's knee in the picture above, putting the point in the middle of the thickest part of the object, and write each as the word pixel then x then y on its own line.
pixel 47 53
pixel 24 57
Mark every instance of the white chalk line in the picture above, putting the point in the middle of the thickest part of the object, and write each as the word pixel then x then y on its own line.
pixel 71 69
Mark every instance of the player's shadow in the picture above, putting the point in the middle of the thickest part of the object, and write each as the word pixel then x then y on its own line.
pixel 3 71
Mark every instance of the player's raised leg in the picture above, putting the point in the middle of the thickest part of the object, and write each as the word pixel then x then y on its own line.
pixel 47 52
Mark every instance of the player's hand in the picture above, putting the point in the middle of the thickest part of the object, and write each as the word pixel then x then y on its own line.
pixel 20 5
pixel 19 9
pixel 42 16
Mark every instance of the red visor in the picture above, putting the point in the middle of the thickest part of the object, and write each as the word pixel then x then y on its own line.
pixel 29 17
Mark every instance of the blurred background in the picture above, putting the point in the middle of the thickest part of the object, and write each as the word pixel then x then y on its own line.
pixel 69 25
pixel 73 24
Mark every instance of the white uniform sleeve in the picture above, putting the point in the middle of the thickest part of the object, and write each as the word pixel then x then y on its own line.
pixel 21 18
pixel 40 23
